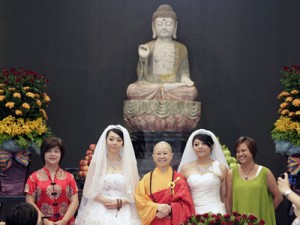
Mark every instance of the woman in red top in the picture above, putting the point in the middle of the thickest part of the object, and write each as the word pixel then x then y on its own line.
pixel 52 190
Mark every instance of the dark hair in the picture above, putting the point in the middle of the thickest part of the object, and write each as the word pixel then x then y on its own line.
pixel 22 214
pixel 52 142
pixel 247 141
pixel 117 131
pixel 205 138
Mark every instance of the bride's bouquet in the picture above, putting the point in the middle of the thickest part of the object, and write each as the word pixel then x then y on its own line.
pixel 225 219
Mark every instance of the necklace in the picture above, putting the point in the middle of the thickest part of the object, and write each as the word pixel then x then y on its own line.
pixel 202 170
pixel 114 164
pixel 247 174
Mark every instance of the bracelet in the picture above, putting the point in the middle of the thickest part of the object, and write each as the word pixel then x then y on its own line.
pixel 119 205
pixel 287 193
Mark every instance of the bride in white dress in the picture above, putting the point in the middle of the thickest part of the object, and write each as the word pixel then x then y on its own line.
pixel 204 166
pixel 108 194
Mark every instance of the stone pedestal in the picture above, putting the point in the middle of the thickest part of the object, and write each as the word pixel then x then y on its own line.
pixel 143 143
pixel 161 115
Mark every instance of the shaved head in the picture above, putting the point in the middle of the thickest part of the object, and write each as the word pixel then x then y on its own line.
pixel 162 144
pixel 162 155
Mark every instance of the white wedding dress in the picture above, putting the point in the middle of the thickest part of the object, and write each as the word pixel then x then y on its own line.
pixel 205 190
pixel 114 188
pixel 296 221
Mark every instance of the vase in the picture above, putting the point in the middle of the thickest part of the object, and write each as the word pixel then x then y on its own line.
pixel 14 165
pixel 13 179
pixel 11 146
pixel 286 148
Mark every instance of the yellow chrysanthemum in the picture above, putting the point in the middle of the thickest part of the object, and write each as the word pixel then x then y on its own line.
pixel 38 102
pixel 294 92
pixel 37 95
pixel 1 91
pixel 18 112
pixel 12 89
pixel 285 112
pixel 282 94
pixel 17 95
pixel 30 95
pixel 44 114
pixel 46 98
pixel 291 114
pixel 10 105
pixel 298 113
pixel 289 99
pixel 296 102
pixel 25 105
pixel 2 85
pixel 283 105
pixel 2 97
pixel 26 88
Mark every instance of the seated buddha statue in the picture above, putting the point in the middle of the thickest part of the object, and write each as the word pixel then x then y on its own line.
pixel 163 67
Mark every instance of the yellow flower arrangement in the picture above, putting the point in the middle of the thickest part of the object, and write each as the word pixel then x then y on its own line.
pixel 286 130
pixel 285 124
pixel 23 101
pixel 15 127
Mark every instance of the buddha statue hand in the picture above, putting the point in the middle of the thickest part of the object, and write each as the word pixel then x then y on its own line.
pixel 144 51
pixel 170 86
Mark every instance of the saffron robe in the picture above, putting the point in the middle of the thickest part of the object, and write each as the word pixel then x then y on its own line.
pixel 179 198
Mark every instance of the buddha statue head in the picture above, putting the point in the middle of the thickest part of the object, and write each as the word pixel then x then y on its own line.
pixel 164 22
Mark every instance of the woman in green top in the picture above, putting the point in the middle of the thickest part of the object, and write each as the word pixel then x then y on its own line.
pixel 251 188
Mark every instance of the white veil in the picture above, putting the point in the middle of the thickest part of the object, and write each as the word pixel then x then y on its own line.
pixel 190 156
pixel 98 166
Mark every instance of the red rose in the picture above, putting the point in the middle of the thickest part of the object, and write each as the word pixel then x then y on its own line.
pixel 226 216
pixel 252 217
pixel 205 215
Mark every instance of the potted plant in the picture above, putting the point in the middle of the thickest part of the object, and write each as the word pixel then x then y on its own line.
pixel 286 130
pixel 23 102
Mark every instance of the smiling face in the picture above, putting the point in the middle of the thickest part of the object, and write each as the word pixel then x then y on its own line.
pixel 243 154
pixel 114 142
pixel 52 156
pixel 50 143
pixel 162 155
pixel 201 149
